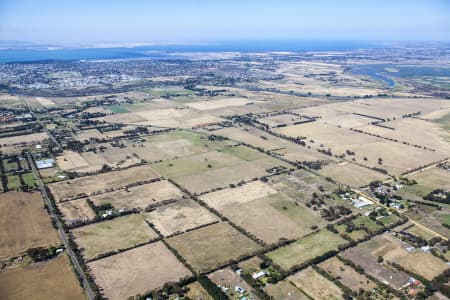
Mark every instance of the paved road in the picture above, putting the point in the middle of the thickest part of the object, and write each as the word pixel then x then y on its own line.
pixel 86 285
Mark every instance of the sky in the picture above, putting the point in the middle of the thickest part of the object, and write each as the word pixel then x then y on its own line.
pixel 196 21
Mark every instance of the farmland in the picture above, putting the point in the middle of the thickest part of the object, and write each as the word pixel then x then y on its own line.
pixel 204 171
pixel 52 279
pixel 119 233
pixel 364 258
pixel 392 250
pixel 99 183
pixel 211 246
pixel 31 226
pixel 285 290
pixel 197 292
pixel 249 204
pixel 179 216
pixel 347 275
pixel 350 174
pixel 291 175
pixel 23 139
pixel 229 279
pixel 148 267
pixel 429 180
pixel 315 285
pixel 76 211
pixel 306 248
pixel 397 157
pixel 140 196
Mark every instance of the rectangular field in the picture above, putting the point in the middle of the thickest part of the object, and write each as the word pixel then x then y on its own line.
pixel 139 196
pixel 238 195
pixel 71 160
pixel 315 285
pixel 417 261
pixel 369 262
pixel 23 139
pixel 211 246
pixel 119 233
pixel 250 136
pixel 230 279
pixel 280 120
pixel 347 275
pixel 101 182
pixel 396 157
pixel 76 211
pixel 219 103
pixel 247 205
pixel 137 271
pixel 429 180
pixel 24 224
pixel 223 177
pixel 52 280
pixel 285 290
pixel 175 118
pixel 198 292
pixel 305 249
pixel 351 174
pixel 300 185
pixel 174 144
pixel 179 216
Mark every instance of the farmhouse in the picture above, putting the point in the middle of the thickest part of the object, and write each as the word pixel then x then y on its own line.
pixel 258 275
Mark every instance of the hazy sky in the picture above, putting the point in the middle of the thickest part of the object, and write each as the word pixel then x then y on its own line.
pixel 86 21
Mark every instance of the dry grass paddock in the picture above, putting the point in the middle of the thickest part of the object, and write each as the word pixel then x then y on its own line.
pixel 101 182
pixel 238 195
pixel 24 224
pixel 417 261
pixel 208 247
pixel 76 211
pixel 347 275
pixel 219 103
pixel 23 139
pixel 228 278
pixel 137 271
pixel 247 205
pixel 71 160
pixel 52 280
pixel 285 290
pixel 119 233
pixel 139 196
pixel 306 248
pixel 315 285
pixel 179 216
pixel 351 174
